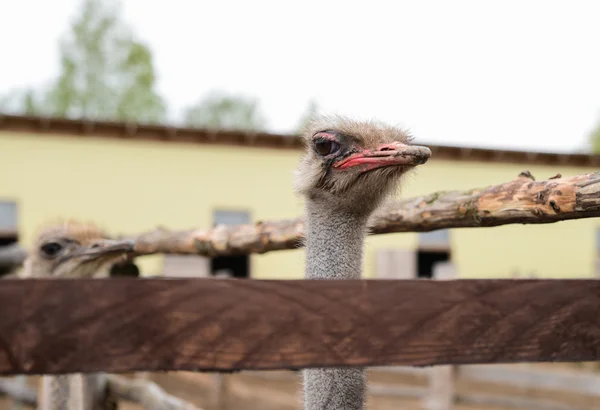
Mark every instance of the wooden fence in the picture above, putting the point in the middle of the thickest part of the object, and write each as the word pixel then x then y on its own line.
pixel 510 386
pixel 48 326
pixel 228 325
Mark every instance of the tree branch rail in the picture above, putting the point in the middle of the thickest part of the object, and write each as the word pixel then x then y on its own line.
pixel 521 201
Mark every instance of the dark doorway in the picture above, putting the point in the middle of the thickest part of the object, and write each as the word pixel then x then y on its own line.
pixel 9 236
pixel 426 260
pixel 11 252
pixel 234 266
pixel 6 240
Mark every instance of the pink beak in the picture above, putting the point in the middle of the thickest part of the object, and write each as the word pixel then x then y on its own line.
pixel 395 153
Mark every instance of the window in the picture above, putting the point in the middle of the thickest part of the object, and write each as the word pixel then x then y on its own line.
pixel 221 266
pixel 439 238
pixel 221 217
pixel 9 237
pixel 434 247
pixel 237 266
pixel 8 222
pixel 426 261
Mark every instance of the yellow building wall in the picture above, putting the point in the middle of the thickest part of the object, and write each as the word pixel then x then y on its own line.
pixel 130 186
pixel 563 249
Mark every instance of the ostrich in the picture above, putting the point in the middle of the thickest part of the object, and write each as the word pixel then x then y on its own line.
pixel 349 168
pixel 74 250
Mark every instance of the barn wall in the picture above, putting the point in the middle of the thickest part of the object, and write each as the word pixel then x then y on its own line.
pixel 129 186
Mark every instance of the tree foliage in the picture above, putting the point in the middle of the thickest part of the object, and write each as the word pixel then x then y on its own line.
pixel 223 111
pixel 309 114
pixel 105 73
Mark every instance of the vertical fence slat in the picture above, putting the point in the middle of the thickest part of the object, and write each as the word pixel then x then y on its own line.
pixel 441 378
pixel 441 388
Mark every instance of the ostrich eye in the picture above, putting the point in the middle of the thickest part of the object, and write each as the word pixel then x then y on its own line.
pixel 326 147
pixel 51 249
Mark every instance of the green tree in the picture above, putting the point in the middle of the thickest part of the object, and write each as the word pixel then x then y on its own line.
pixel 310 113
pixel 219 110
pixel 26 101
pixel 105 72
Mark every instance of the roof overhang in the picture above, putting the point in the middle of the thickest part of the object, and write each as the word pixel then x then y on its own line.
pixel 134 131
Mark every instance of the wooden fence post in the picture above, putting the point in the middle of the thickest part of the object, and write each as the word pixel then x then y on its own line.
pixel 396 263
pixel 441 378
pixel 220 381
pixel 218 391
pixel 441 388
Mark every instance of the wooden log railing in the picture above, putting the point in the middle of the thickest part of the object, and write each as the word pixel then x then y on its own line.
pixel 49 326
pixel 522 201
pixel 143 392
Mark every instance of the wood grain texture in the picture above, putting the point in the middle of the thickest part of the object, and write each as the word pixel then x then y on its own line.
pixel 123 325
pixel 520 201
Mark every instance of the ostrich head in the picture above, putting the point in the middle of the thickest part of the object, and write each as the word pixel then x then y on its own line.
pixel 73 249
pixel 352 165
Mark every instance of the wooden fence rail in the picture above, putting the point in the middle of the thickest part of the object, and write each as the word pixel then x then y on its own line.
pixel 522 200
pixel 122 325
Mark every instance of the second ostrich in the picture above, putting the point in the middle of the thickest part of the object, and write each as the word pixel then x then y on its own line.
pixel 74 250
pixel 348 171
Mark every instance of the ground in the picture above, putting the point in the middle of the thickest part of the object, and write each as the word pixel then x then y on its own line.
pixel 281 391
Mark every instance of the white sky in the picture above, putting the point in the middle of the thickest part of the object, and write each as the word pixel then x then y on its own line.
pixel 519 74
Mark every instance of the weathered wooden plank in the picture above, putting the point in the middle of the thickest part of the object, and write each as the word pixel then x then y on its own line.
pixel 441 378
pixel 513 402
pixel 119 325
pixel 513 375
pixel 441 389
pixel 19 392
pixel 573 382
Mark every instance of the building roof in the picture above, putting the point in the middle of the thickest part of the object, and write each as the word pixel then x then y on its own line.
pixel 133 131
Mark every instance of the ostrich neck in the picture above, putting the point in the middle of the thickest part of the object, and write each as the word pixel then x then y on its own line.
pixel 334 243
pixel 334 247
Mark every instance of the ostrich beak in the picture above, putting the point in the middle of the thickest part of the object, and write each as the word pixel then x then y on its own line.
pixel 396 153
pixel 104 248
